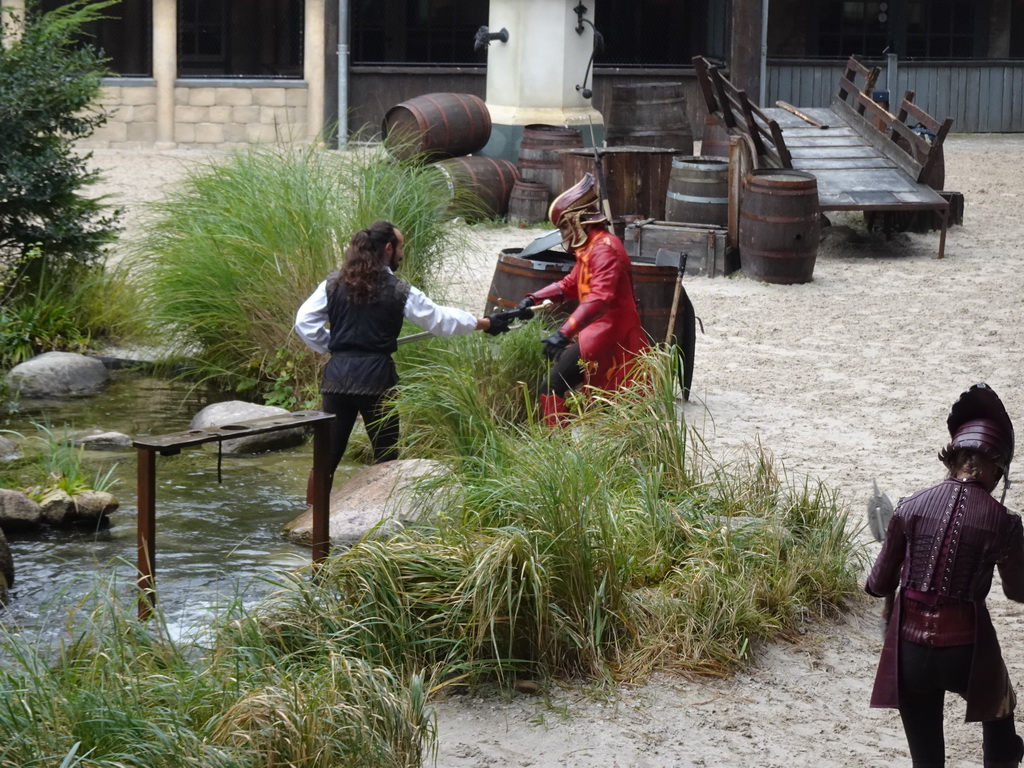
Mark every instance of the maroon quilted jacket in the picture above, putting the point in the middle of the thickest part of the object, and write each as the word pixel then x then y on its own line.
pixel 982 536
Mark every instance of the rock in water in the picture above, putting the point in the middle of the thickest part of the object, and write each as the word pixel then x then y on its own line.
pixel 879 512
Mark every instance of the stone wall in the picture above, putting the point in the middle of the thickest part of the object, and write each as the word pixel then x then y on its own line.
pixel 208 116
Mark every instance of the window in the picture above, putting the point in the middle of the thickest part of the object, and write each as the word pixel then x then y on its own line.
pixel 934 29
pixel 940 29
pixel 126 38
pixel 240 38
pixel 636 33
pixel 854 27
pixel 417 31
pixel 658 33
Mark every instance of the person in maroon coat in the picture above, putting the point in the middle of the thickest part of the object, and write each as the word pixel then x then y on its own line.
pixel 935 570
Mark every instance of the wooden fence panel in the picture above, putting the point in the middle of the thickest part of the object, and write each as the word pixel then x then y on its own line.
pixel 980 96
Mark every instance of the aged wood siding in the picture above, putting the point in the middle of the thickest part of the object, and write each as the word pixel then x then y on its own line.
pixel 375 90
pixel 980 96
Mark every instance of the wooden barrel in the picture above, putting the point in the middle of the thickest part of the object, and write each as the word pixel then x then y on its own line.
pixel 515 277
pixel 649 114
pixel 437 126
pixel 637 177
pixel 538 154
pixel 714 142
pixel 528 203
pixel 779 226
pixel 480 187
pixel 698 191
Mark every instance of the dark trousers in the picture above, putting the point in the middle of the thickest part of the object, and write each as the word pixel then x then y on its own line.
pixel 926 674
pixel 566 373
pixel 381 425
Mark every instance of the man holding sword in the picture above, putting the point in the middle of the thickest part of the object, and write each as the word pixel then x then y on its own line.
pixel 356 314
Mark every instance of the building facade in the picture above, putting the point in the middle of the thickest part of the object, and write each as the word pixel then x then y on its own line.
pixel 229 73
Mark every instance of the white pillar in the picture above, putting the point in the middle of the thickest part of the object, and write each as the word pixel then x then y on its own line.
pixel 313 67
pixel 165 69
pixel 533 77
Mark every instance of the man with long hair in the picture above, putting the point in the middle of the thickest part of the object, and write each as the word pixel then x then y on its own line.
pixel 940 549
pixel 356 314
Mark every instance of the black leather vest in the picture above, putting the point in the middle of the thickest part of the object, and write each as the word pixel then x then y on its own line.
pixel 363 338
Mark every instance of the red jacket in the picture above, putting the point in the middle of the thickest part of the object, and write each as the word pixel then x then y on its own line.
pixel 606 321
pixel 982 536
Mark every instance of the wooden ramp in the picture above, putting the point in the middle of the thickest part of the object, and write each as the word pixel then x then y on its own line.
pixel 865 159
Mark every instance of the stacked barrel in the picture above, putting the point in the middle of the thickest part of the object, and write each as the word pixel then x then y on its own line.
pixel 446 129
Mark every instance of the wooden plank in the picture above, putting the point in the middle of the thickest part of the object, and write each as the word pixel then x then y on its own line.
pixel 1017 90
pixel 890 179
pixel 876 139
pixel 810 135
pixel 957 88
pixel 815 164
pixel 993 100
pixel 830 149
pixel 973 97
pixel 852 153
pixel 700 66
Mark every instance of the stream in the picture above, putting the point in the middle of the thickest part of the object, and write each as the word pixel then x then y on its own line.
pixel 216 541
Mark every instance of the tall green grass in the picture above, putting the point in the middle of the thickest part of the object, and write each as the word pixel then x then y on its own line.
pixel 603 551
pixel 115 692
pixel 609 548
pixel 234 250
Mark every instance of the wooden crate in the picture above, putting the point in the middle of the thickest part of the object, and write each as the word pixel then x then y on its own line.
pixel 704 245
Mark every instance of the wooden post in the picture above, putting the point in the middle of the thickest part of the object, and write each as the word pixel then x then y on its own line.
pixel 146 488
pixel 745 46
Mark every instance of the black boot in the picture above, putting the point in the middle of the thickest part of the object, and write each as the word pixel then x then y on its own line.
pixel 1008 763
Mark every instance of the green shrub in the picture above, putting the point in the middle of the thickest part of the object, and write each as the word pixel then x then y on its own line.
pixel 48 81
pixel 59 464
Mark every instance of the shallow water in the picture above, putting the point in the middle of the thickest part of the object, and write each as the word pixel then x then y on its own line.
pixel 216 541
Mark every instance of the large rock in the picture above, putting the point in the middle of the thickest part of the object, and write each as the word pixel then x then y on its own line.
pixel 234 411
pixel 103 441
pixel 18 512
pixel 88 508
pixel 9 450
pixel 55 506
pixel 58 373
pixel 91 507
pixel 377 497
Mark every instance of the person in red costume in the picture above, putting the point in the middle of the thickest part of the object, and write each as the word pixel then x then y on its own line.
pixel 598 342
pixel 934 571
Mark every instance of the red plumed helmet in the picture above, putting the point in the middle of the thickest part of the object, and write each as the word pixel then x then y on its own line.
pixel 575 207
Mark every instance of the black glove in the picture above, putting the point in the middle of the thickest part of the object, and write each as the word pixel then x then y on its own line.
pixel 554 344
pixel 499 324
pixel 523 307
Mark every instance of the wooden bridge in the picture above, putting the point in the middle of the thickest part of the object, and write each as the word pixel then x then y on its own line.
pixel 864 157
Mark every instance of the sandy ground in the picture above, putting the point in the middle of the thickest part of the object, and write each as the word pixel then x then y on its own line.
pixel 847 379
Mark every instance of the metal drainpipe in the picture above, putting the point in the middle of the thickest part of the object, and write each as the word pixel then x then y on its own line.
pixel 342 73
